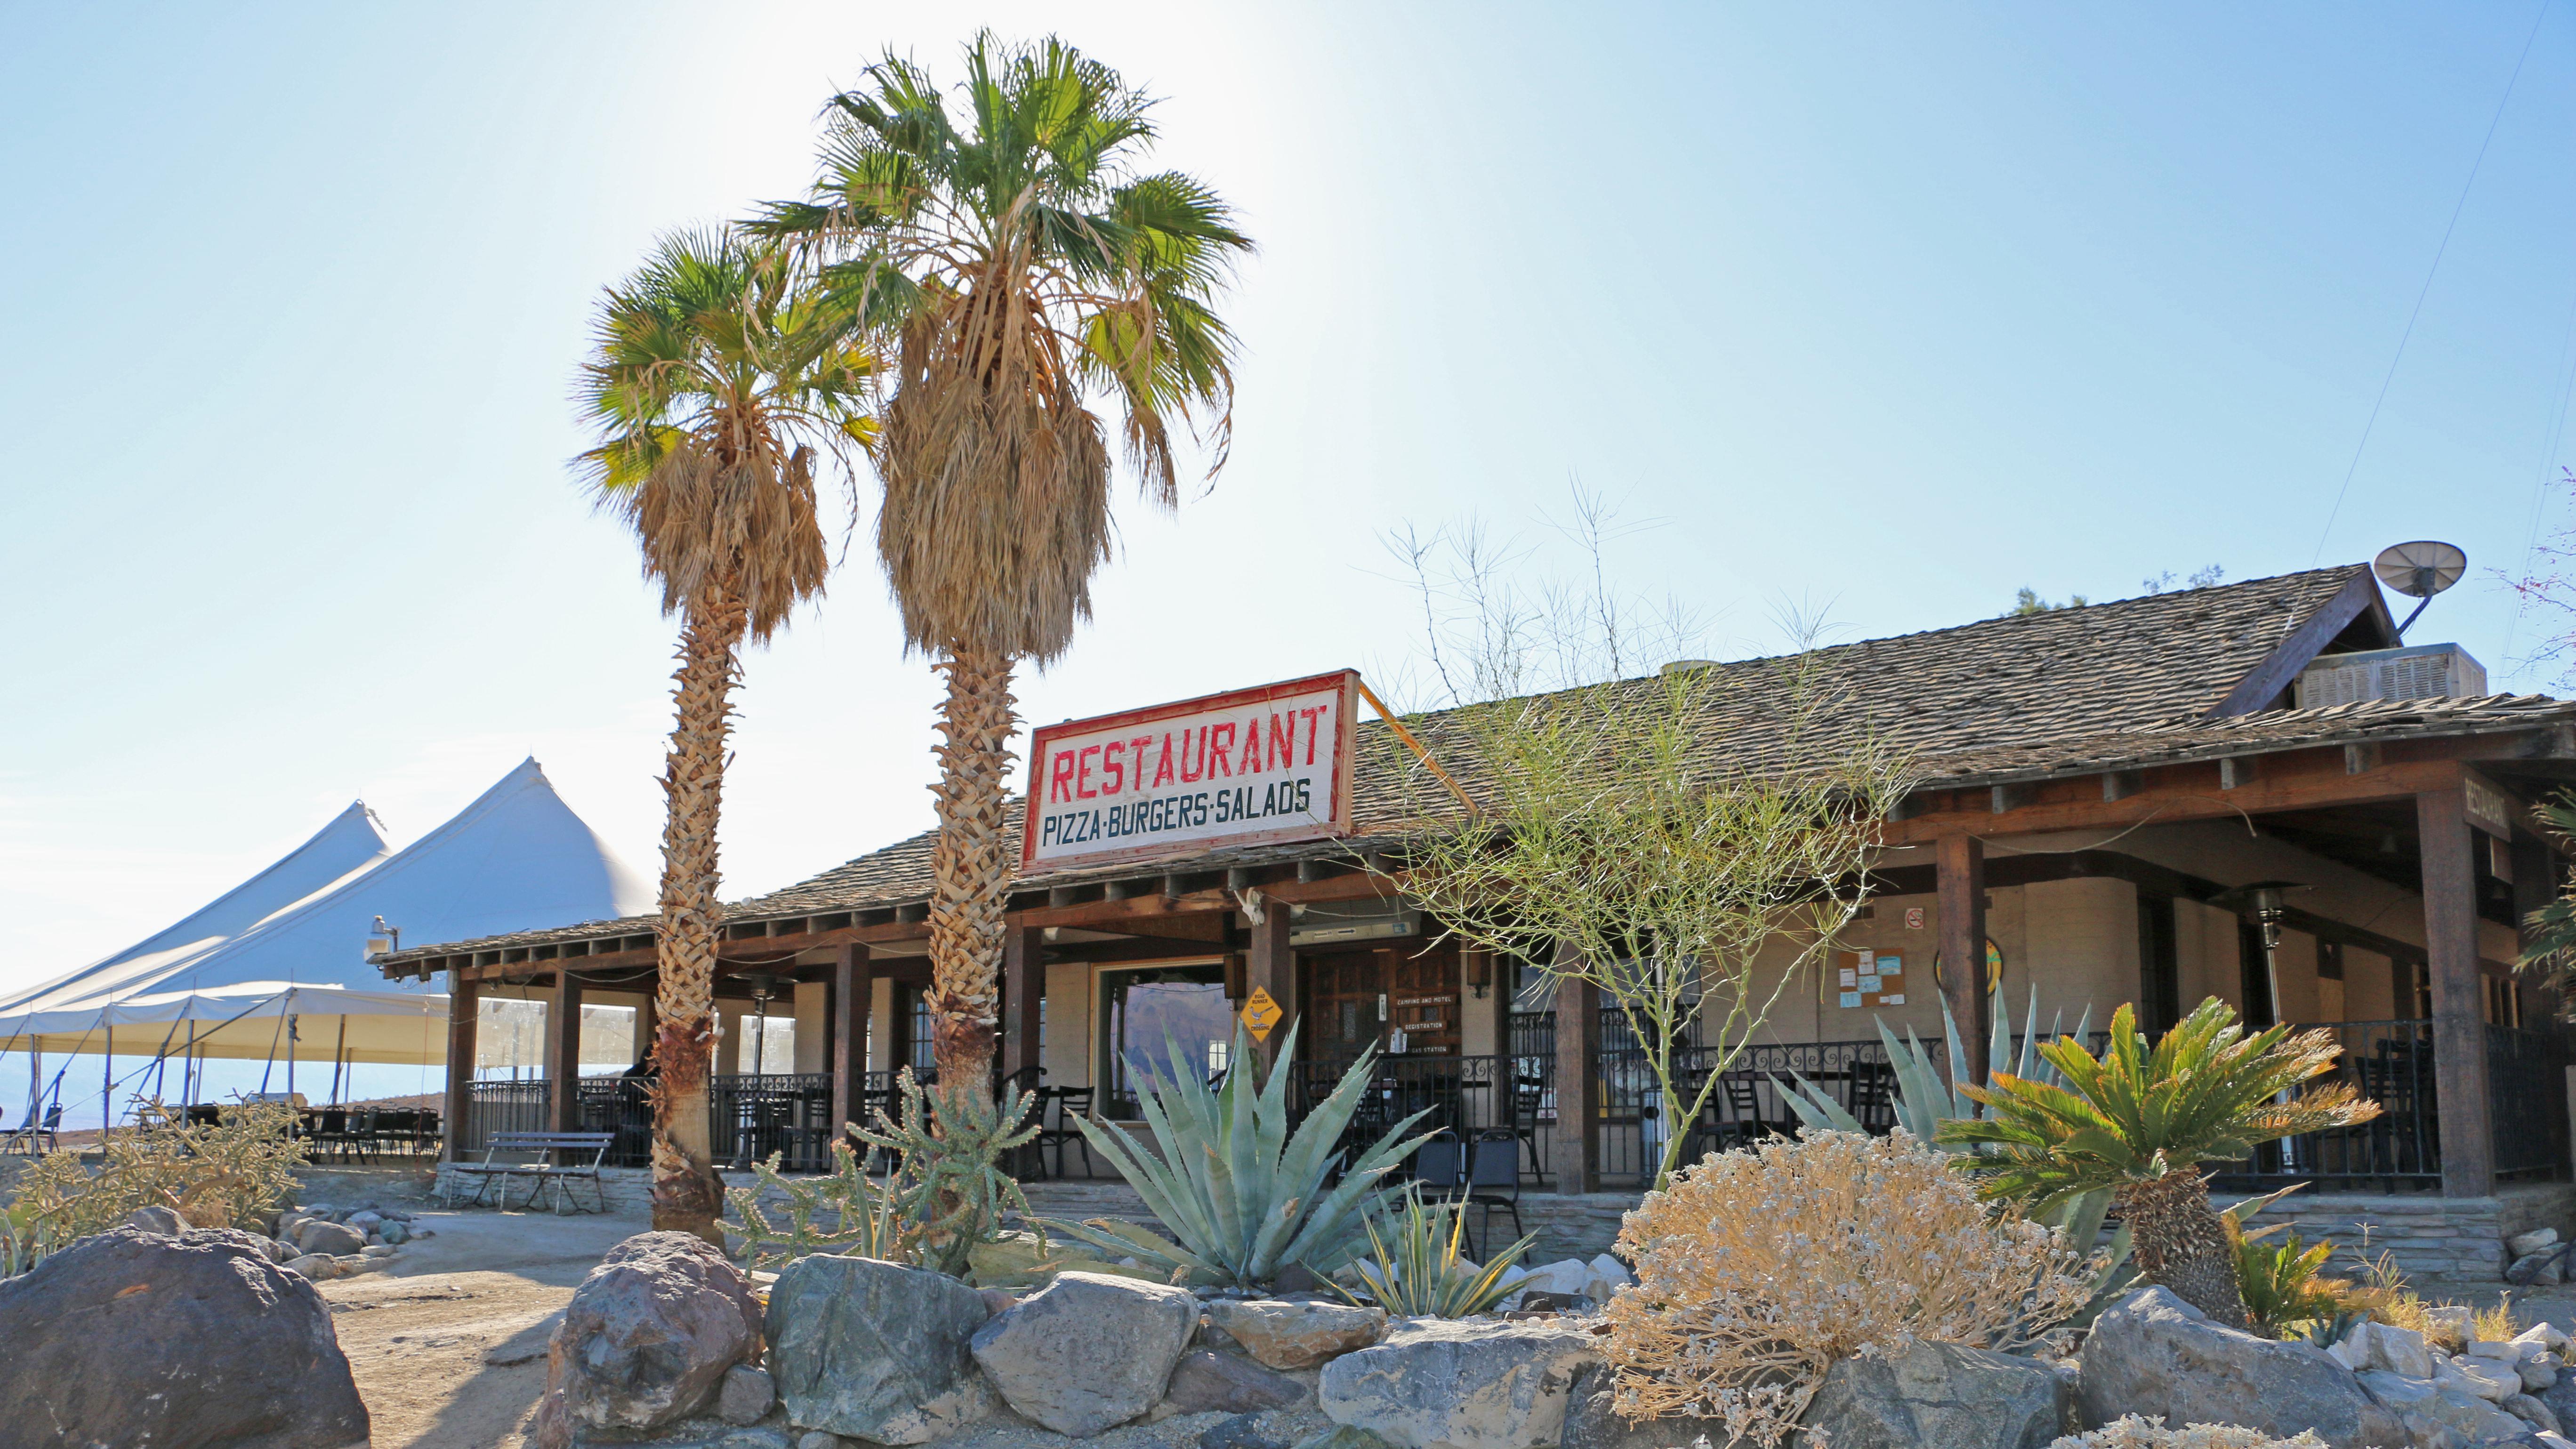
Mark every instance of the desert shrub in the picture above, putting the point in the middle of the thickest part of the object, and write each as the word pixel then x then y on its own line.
pixel 1758 1271
pixel 863 1217
pixel 949 1185
pixel 1414 1269
pixel 222 1176
pixel 2134 1432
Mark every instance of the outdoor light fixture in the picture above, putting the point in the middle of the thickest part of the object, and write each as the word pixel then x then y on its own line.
pixel 763 987
pixel 385 938
pixel 1480 972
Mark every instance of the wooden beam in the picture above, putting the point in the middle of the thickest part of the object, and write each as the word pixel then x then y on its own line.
pixel 2238 771
pixel 2281 667
pixel 854 989
pixel 1272 967
pixel 1023 999
pixel 2302 781
pixel 2448 843
pixel 1961 869
pixel 464 1014
pixel 1574 1149
pixel 2121 784
pixel 563 1052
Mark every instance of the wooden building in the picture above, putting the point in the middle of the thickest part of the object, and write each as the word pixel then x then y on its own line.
pixel 2098 783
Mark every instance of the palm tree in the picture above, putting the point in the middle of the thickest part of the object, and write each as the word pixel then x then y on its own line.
pixel 1022 270
pixel 715 386
pixel 2142 1123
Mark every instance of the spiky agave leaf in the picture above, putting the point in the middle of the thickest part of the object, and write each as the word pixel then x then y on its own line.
pixel 1242 1195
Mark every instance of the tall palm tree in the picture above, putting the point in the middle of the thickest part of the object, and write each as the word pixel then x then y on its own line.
pixel 2142 1122
pixel 1025 274
pixel 716 387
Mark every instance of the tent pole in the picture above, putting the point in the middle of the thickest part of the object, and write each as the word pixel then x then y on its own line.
pixel 337 1048
pixel 107 1087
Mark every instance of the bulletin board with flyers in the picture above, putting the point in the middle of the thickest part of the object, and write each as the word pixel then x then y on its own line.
pixel 1869 979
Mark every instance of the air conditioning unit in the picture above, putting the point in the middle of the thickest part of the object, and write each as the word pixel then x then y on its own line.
pixel 2424 671
pixel 1321 925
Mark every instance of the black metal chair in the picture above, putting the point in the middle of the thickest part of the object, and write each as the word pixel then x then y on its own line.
pixel 1873 1096
pixel 1745 1124
pixel 1440 1165
pixel 1059 1108
pixel 1493 1181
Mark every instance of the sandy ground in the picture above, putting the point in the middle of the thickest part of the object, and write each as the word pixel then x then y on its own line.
pixel 449 1345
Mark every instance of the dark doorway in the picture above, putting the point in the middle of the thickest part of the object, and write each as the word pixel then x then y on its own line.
pixel 2159 967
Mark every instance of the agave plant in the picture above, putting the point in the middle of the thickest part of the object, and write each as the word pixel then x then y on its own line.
pixel 1245 1196
pixel 1927 1095
pixel 1414 1269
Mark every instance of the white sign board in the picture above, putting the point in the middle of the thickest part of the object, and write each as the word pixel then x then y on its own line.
pixel 1255 765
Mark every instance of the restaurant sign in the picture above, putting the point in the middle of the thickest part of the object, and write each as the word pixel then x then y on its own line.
pixel 1252 766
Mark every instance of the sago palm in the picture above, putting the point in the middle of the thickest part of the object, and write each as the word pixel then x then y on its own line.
pixel 2142 1122
pixel 1027 277
pixel 715 387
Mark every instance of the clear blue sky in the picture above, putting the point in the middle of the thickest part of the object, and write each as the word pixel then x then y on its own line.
pixel 1887 309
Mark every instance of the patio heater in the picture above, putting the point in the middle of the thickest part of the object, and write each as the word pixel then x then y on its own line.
pixel 764 987
pixel 2264 900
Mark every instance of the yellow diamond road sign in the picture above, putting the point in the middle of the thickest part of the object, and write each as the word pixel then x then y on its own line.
pixel 1261 1013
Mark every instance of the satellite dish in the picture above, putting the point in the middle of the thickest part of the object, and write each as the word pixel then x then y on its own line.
pixel 2419 570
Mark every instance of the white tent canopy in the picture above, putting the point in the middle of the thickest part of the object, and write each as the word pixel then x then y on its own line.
pixel 516 859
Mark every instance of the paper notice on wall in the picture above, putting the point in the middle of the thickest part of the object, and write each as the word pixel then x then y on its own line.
pixel 1851 999
pixel 1893 999
pixel 1866 958
pixel 1868 982
pixel 1850 978
pixel 1891 966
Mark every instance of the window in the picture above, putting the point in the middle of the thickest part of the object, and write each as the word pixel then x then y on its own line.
pixel 1141 1009
pixel 912 1030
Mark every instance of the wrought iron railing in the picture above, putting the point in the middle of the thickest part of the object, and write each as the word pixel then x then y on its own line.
pixel 750 1117
pixel 1468 1096
pixel 2527 1102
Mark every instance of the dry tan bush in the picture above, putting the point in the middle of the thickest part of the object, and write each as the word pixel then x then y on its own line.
pixel 223 1176
pixel 2134 1432
pixel 1758 1271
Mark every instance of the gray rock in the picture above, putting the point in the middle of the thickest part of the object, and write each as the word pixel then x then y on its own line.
pixel 2487 1379
pixel 2400 1351
pixel 331 1238
pixel 1461 1383
pixel 2154 1354
pixel 874 1350
pixel 758 1438
pixel 318 1267
pixel 1342 1436
pixel 2522 1244
pixel 2531 1411
pixel 646 1339
pixel 1938 1396
pixel 163 1220
pixel 365 1220
pixel 2560 1399
pixel 1243 1431
pixel 1088 1351
pixel 2453 1324
pixel 179 1342
pixel 2466 1418
pixel 2538 1373
pixel 819 1439
pixel 1207 1382
pixel 747 1395
pixel 1541 1301
pixel 1591 1422
pixel 395 1233
pixel 1292 1335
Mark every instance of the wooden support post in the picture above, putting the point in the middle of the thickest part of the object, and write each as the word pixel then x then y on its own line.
pixel 563 1051
pixel 1023 999
pixel 2459 1017
pixel 1960 874
pixel 854 989
pixel 464 1014
pixel 1574 1151
pixel 1273 968
pixel 648 1024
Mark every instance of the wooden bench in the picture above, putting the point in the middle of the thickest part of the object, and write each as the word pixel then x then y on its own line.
pixel 532 1157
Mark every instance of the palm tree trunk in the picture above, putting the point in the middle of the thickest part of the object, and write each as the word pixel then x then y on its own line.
pixel 970 865
pixel 687 1195
pixel 2179 1243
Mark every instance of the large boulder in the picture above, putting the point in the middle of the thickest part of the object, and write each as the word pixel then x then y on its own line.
pixel 1439 1383
pixel 1088 1351
pixel 1208 1382
pixel 175 1342
pixel 874 1350
pixel 331 1238
pixel 1938 1396
pixel 646 1339
pixel 1291 1335
pixel 2436 1415
pixel 1591 1421
pixel 2154 1354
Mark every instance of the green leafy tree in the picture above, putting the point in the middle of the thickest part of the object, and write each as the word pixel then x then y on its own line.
pixel 2143 1121
pixel 718 388
pixel 1027 276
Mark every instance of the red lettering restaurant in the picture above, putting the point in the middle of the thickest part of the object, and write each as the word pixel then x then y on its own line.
pixel 2099 786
